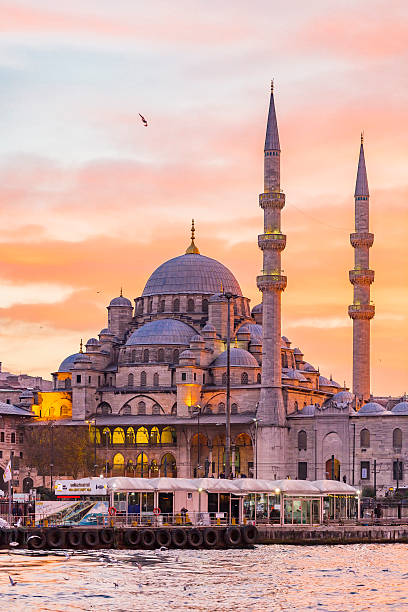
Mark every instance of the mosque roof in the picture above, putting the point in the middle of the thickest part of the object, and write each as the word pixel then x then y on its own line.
pixel 342 397
pixel 400 408
pixel 257 308
pixel 191 273
pixel 308 367
pixel 308 410
pixel 14 410
pixel 372 408
pixel 294 374
pixel 162 331
pixel 68 362
pixel 92 341
pixel 239 358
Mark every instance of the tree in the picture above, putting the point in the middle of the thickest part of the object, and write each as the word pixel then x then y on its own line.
pixel 67 448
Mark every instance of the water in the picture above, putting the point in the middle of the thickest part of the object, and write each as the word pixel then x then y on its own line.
pixel 343 578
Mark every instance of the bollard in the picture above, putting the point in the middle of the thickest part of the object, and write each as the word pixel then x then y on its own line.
pixel 233 522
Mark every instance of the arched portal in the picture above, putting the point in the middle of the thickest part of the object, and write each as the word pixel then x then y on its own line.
pixel 168 466
pixel 333 469
pixel 218 455
pixel 142 466
pixel 244 455
pixel 199 455
pixel 118 465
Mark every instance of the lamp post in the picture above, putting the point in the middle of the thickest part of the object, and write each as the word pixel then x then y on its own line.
pixel 197 412
pixel 229 296
pixel 255 422
pixel 94 437
pixel 354 451
pixel 52 455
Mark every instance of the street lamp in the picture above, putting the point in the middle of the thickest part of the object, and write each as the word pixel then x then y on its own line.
pixel 94 432
pixel 229 296
pixel 197 413
pixel 255 422
pixel 52 456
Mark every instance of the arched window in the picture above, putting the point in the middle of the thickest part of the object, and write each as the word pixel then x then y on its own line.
pixel 190 305
pixel 130 380
pixel 234 409
pixel 143 379
pixel 162 305
pixel 155 379
pixel 150 306
pixel 133 356
pixel 397 438
pixel 118 464
pixel 302 440
pixel 364 438
pixel 146 356
pixel 160 355
pixel 258 378
pixel 221 408
pixel 118 436
pixel 168 467
pixel 142 436
pixel 176 305
pixel 156 409
pixel 142 466
pixel 205 305
pixel 154 435
pixel 176 354
pixel 244 378
pixel 106 436
pixel 224 378
pixel 126 409
pixel 141 407
pixel 168 435
pixel 130 435
pixel 104 408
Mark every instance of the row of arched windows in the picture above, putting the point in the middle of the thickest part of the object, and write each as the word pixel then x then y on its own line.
pixel 134 436
pixel 142 468
pixel 244 378
pixel 143 379
pixel 104 408
pixel 192 306
pixel 148 356
pixel 396 438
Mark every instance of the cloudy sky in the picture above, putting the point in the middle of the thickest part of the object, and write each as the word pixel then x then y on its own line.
pixel 91 200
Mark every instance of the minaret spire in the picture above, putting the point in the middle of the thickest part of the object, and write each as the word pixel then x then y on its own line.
pixel 361 277
pixel 271 282
pixel 192 249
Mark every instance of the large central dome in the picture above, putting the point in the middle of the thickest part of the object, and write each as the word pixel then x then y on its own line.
pixel 191 273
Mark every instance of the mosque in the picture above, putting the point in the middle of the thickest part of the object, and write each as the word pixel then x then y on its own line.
pixel 152 386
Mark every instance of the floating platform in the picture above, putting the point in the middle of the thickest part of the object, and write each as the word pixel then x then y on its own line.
pixel 332 534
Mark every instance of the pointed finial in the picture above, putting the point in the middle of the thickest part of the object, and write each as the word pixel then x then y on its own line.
pixel 362 137
pixel 272 86
pixel 80 347
pixel 236 342
pixel 192 249
pixel 121 292
pixel 222 287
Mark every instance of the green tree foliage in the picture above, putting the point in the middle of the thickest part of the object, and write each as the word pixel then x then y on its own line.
pixel 67 448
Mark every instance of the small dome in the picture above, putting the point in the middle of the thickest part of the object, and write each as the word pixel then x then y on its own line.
pixel 255 342
pixel 257 309
pixel 308 410
pixel 121 301
pixel 372 408
pixel 255 330
pixel 400 408
pixel 294 374
pixel 217 297
pixel 209 328
pixel 285 339
pixel 297 351
pixel 325 382
pixel 191 273
pixel 239 359
pixel 92 341
pixel 162 331
pixel 244 329
pixel 68 363
pixel 187 355
pixel 309 368
pixel 105 332
pixel 343 397
pixel 197 338
pixel 334 383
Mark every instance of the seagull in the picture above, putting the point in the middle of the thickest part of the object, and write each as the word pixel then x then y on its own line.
pixel 14 544
pixel 116 585
pixel 12 582
pixel 143 120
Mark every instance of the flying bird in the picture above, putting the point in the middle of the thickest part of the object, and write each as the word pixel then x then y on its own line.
pixel 144 121
pixel 12 582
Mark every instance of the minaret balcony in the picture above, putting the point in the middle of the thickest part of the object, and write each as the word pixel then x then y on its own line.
pixel 361 277
pixel 361 311
pixel 361 239
pixel 271 281
pixel 273 199
pixel 272 241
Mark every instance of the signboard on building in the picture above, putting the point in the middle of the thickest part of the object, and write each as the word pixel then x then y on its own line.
pixel 82 486
pixel 21 497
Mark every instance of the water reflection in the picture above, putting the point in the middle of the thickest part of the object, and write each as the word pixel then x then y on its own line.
pixel 358 577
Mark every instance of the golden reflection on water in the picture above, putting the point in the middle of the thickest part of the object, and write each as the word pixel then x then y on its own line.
pixel 335 578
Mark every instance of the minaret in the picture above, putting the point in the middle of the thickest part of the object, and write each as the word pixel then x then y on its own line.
pixel 361 311
pixel 271 282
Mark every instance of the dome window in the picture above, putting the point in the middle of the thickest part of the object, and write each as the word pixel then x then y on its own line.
pixel 146 356
pixel 244 378
pixel 162 305
pixel 190 305
pixel 133 356
pixel 259 378
pixel 205 305
pixel 143 379
pixel 224 378
pixel 176 305
pixel 160 355
pixel 176 354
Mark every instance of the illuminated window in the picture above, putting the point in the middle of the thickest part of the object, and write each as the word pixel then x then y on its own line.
pixel 142 466
pixel 365 470
pixel 118 435
pixel 130 435
pixel 142 436
pixel 154 435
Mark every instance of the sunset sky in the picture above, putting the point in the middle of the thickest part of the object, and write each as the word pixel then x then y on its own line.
pixel 91 200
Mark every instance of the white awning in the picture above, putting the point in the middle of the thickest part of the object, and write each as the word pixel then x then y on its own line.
pixel 334 487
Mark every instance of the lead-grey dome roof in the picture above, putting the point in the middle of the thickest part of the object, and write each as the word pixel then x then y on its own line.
pixel 400 408
pixel 162 331
pixel 191 273
pixel 372 408
pixel 239 358
pixel 68 363
pixel 120 301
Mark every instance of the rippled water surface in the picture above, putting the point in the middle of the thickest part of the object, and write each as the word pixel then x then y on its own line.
pixel 357 577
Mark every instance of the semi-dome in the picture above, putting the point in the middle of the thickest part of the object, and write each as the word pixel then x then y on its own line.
pixel 343 397
pixel 92 341
pixel 197 338
pixel 68 363
pixel 294 374
pixel 372 408
pixel 239 358
pixel 105 332
pixel 308 367
pixel 255 330
pixel 162 331
pixel 120 301
pixel 400 408
pixel 191 273
pixel 209 328
pixel 257 309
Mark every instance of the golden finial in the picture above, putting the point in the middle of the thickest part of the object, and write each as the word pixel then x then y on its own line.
pixel 362 137
pixel 192 249
pixel 236 342
pixel 272 86
pixel 80 347
pixel 222 287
